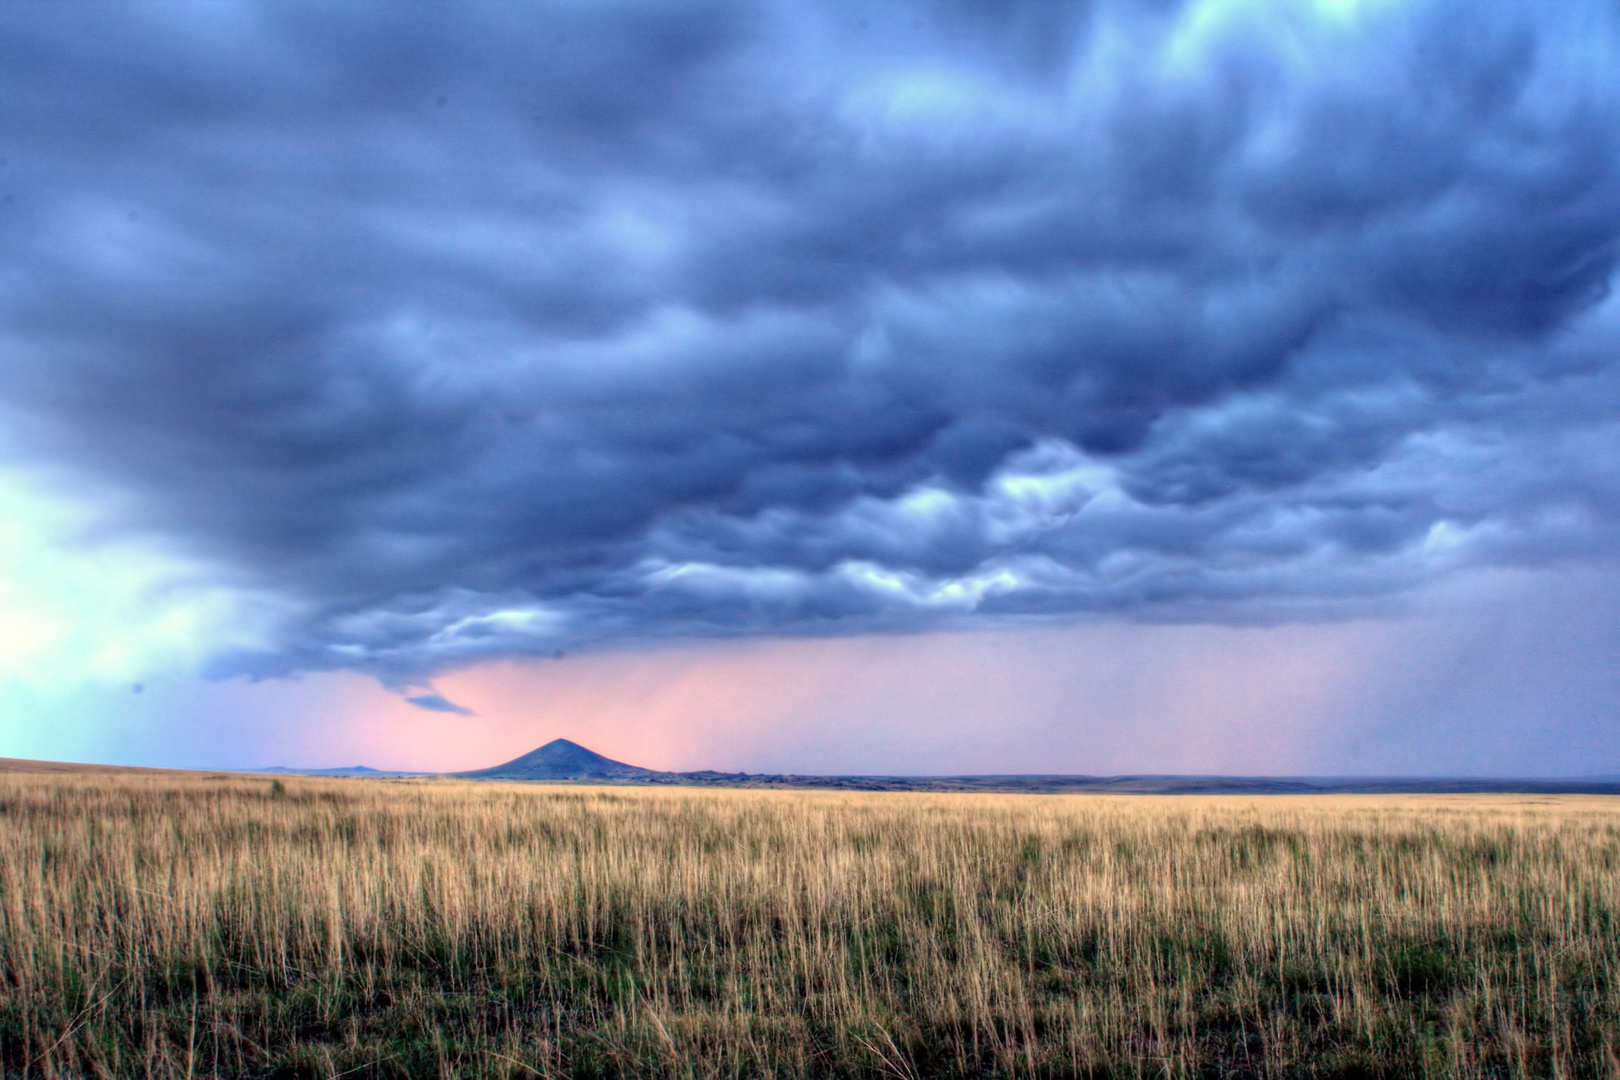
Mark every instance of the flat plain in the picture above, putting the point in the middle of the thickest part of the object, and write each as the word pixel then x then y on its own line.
pixel 187 925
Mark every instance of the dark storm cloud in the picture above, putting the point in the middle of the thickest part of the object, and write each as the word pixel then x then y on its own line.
pixel 471 330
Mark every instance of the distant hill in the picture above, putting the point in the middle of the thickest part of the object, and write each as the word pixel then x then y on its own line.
pixel 564 760
pixel 31 765
pixel 561 759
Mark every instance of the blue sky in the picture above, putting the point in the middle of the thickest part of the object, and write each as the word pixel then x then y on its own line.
pixel 997 368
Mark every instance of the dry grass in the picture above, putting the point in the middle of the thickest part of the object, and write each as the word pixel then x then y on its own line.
pixel 165 925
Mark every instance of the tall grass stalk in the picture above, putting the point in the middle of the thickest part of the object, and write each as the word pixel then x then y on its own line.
pixel 177 926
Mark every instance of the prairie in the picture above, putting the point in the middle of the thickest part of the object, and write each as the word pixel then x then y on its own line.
pixel 175 925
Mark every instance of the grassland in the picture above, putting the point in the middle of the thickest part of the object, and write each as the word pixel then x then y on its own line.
pixel 171 925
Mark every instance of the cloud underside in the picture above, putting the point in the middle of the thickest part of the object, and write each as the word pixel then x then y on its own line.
pixel 469 331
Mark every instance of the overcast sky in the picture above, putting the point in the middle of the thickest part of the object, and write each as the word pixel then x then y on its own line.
pixel 404 346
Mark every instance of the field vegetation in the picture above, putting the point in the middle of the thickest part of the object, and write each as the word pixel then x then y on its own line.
pixel 185 926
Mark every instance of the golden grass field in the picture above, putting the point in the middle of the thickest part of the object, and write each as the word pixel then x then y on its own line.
pixel 185 925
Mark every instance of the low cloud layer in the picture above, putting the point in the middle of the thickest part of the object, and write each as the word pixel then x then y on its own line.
pixel 460 331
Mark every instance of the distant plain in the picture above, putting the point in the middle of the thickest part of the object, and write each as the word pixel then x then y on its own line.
pixel 170 924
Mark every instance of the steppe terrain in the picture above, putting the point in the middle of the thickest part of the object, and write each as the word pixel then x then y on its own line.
pixel 187 925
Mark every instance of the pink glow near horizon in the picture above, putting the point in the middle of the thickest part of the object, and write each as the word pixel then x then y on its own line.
pixel 1447 691
pixel 1090 699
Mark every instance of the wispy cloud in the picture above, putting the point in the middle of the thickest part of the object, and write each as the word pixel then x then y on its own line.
pixel 439 703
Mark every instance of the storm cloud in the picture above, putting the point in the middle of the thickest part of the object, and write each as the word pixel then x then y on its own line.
pixel 471 330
